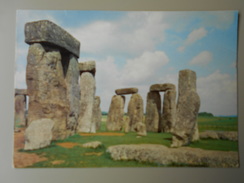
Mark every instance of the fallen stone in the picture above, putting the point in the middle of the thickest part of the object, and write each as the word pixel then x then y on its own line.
pixel 224 135
pixel 47 32
pixel 38 134
pixel 184 131
pixel 160 154
pixel 162 87
pixel 125 91
pixel 169 110
pixel 153 112
pixel 141 129
pixel 116 113
pixel 93 145
pixel 135 111
pixel 89 66
pixel 21 92
pixel 87 89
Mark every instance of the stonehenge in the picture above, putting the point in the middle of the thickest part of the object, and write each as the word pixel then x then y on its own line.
pixel 116 121
pixel 58 86
pixel 62 90
pixel 156 120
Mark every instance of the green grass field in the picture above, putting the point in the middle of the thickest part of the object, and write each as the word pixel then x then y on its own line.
pixel 78 156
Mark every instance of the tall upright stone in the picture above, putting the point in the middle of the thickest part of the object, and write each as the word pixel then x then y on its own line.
pixel 169 111
pixel 73 92
pixel 47 88
pixel 153 112
pixel 116 113
pixel 135 111
pixel 188 106
pixel 20 110
pixel 97 112
pixel 50 51
pixel 88 89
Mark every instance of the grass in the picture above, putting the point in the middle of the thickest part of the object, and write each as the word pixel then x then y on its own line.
pixel 83 157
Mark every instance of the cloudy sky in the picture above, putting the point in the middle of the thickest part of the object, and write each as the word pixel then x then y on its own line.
pixel 138 49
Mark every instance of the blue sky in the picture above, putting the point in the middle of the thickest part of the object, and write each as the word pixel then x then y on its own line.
pixel 139 48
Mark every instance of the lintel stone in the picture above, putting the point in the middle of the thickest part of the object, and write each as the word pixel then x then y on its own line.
pixel 45 31
pixel 89 66
pixel 124 91
pixel 21 92
pixel 162 87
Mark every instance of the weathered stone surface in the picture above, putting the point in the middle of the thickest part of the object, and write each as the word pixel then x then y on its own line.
pixel 97 112
pixel 135 111
pixel 20 108
pixel 224 135
pixel 21 92
pixel 116 113
pixel 141 129
pixel 88 89
pixel 93 145
pixel 125 91
pixel 46 88
pixel 38 134
pixel 160 154
pixel 187 110
pixel 73 92
pixel 162 87
pixel 45 31
pixel 153 112
pixel 126 124
pixel 169 110
pixel 89 66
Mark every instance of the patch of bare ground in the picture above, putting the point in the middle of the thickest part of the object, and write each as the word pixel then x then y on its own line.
pixel 68 145
pixel 23 159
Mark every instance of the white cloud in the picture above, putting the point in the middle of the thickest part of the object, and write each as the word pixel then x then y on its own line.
pixel 218 93
pixel 20 79
pixel 145 67
pixel 202 58
pixel 133 34
pixel 194 36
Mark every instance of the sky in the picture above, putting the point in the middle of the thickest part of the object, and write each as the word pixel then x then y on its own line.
pixel 142 48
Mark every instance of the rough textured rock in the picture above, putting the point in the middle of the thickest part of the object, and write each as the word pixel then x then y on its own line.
pixel 21 92
pixel 93 145
pixel 73 92
pixel 20 108
pixel 125 91
pixel 187 110
pixel 126 124
pixel 135 111
pixel 97 112
pixel 141 129
pixel 89 66
pixel 169 110
pixel 162 87
pixel 38 134
pixel 45 31
pixel 224 135
pixel 153 112
pixel 116 113
pixel 46 87
pixel 163 155
pixel 88 89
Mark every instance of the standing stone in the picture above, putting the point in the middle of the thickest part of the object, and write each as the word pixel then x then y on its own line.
pixel 46 87
pixel 97 112
pixel 169 110
pixel 187 110
pixel 116 113
pixel 135 111
pixel 87 89
pixel 141 129
pixel 153 113
pixel 73 92
pixel 20 107
pixel 38 134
